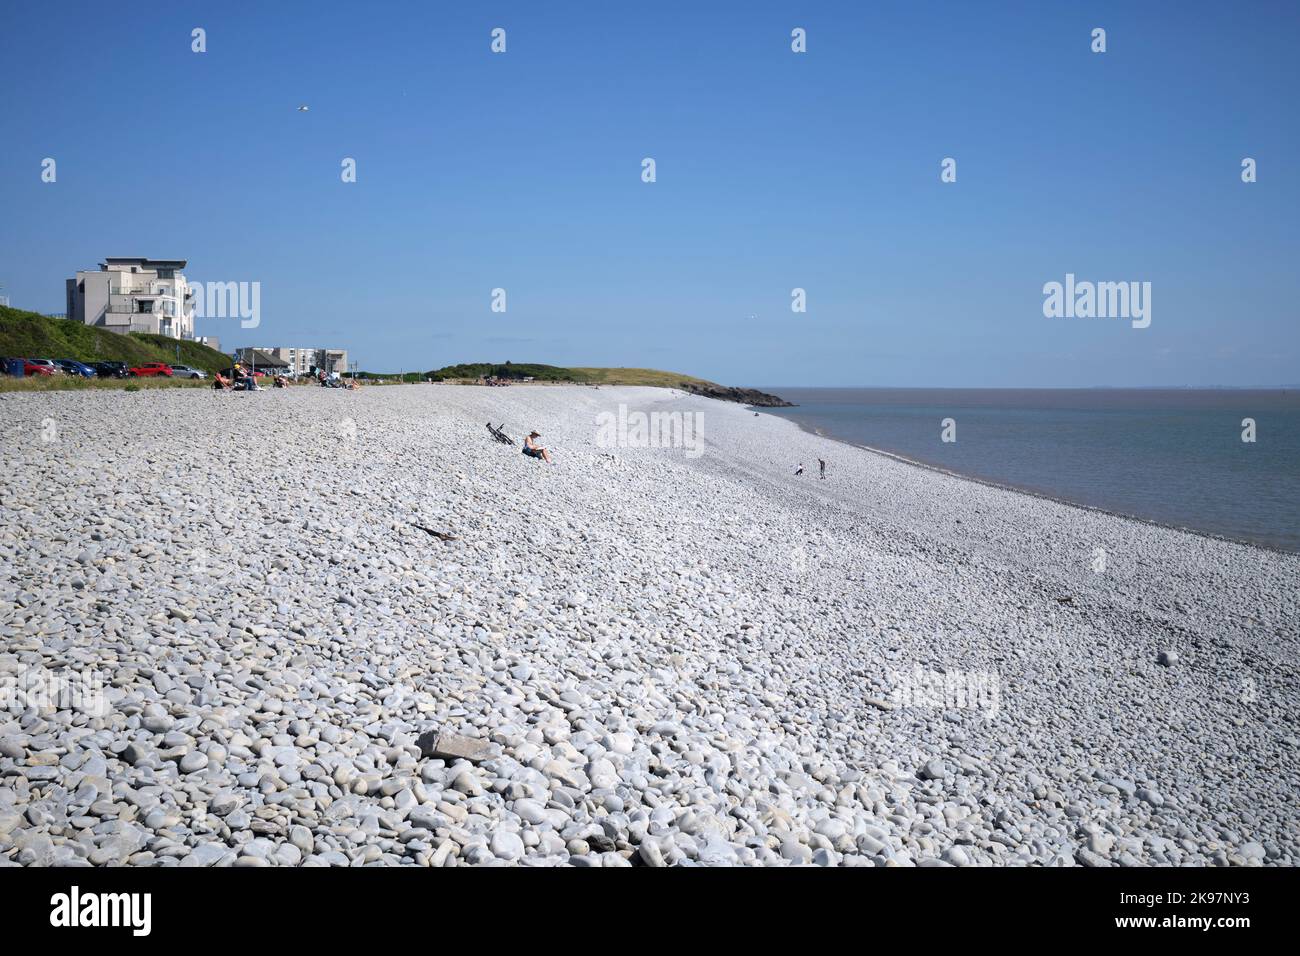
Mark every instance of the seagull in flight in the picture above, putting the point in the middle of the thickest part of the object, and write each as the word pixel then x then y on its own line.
pixel 302 109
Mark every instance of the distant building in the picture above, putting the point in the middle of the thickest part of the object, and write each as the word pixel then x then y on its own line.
pixel 305 361
pixel 134 295
pixel 210 341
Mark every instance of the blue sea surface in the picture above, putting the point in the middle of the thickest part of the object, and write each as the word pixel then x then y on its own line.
pixel 1174 456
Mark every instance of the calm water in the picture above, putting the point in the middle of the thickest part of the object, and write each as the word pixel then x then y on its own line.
pixel 1170 455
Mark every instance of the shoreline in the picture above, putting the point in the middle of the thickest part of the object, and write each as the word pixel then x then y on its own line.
pixel 1017 489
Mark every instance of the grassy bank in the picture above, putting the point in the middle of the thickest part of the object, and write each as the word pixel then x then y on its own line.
pixel 31 335
pixel 637 376
pixel 555 373
pixel 652 377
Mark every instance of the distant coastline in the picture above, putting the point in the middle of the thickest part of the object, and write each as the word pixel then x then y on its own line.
pixel 508 372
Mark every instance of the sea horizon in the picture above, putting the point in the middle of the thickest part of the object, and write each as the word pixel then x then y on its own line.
pixel 1052 388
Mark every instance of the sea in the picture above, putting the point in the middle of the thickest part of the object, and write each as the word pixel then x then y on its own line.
pixel 1175 456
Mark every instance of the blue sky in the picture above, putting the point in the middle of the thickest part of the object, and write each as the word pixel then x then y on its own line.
pixel 775 170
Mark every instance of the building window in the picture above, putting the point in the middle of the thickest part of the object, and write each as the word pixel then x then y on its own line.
pixel 144 305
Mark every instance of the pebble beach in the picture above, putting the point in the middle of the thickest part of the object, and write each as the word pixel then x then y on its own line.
pixel 312 627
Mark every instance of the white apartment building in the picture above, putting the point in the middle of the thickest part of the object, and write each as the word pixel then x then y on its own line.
pixel 134 295
pixel 303 361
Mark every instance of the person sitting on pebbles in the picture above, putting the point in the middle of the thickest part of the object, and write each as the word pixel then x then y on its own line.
pixel 534 450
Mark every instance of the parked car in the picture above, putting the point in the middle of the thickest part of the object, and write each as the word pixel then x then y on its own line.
pixel 152 370
pixel 111 369
pixel 184 371
pixel 73 367
pixel 36 366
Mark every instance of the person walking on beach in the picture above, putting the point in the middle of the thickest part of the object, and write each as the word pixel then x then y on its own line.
pixel 822 465
pixel 799 471
pixel 534 450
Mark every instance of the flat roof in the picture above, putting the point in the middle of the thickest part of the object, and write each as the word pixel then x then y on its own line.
pixel 168 263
